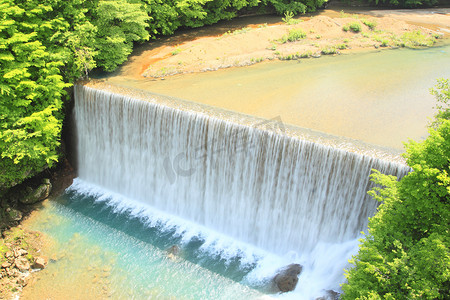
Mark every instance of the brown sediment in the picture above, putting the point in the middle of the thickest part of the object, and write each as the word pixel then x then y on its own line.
pixel 153 57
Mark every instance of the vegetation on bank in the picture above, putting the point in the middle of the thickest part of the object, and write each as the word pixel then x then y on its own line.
pixel 404 3
pixel 406 253
pixel 295 39
pixel 46 45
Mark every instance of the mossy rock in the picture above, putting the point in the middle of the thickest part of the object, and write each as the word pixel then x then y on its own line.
pixel 14 214
pixel 38 194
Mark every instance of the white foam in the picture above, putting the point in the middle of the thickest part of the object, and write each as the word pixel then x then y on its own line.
pixel 322 267
pixel 215 243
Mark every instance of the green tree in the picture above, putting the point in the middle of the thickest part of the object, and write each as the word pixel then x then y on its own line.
pixel 442 94
pixel 119 24
pixel 405 254
pixel 296 7
pixel 31 89
pixel 404 3
pixel 45 46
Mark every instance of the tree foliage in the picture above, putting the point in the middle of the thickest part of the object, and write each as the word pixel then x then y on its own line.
pixel 31 88
pixel 119 24
pixel 45 45
pixel 442 94
pixel 406 254
pixel 296 7
pixel 169 15
pixel 404 3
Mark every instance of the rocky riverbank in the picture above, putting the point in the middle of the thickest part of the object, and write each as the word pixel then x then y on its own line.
pixel 20 257
pixel 22 251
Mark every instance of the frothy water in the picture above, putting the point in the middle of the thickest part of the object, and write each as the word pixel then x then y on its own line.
pixel 236 191
pixel 212 251
pixel 99 256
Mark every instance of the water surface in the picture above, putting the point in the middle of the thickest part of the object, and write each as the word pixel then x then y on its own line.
pixel 99 252
pixel 104 245
pixel 379 97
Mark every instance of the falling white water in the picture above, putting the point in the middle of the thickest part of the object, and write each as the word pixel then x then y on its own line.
pixel 277 192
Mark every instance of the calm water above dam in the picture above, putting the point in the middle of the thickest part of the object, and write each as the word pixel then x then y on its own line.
pixel 379 97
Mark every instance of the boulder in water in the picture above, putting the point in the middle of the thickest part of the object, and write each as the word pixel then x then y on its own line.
pixel 173 252
pixel 287 277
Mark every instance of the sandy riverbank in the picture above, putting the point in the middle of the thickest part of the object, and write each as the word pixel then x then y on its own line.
pixel 253 40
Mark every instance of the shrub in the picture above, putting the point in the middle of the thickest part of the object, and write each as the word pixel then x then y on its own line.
pixel 176 51
pixel 442 94
pixel 329 51
pixel 353 26
pixel 289 18
pixel 306 54
pixel 370 24
pixel 384 43
pixel 293 36
pixel 416 39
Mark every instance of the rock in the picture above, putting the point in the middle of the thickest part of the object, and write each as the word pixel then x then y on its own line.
pixel 287 278
pixel 38 194
pixel 175 250
pixel 21 281
pixel 39 263
pixel 8 254
pixel 12 273
pixel 22 264
pixel 6 265
pixel 20 252
pixel 14 214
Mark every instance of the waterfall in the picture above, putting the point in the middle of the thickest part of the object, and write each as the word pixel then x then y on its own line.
pixel 265 187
